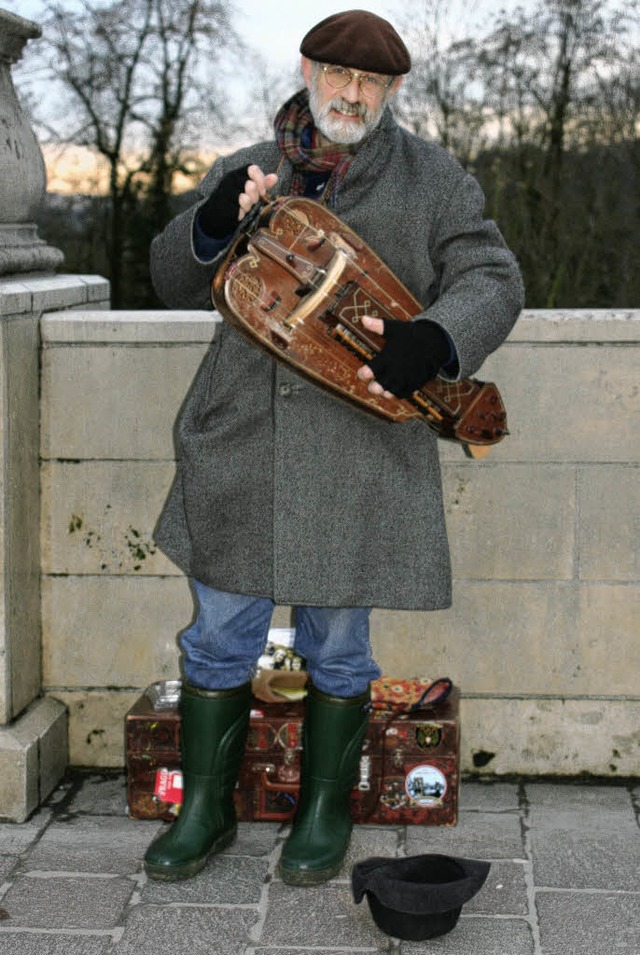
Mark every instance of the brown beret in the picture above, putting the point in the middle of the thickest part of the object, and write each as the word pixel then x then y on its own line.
pixel 360 40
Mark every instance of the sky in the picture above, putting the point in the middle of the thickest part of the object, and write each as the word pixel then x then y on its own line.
pixel 276 27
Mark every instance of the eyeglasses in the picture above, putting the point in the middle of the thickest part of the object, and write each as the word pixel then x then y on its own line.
pixel 338 77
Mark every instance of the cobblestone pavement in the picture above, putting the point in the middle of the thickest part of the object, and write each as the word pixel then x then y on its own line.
pixel 564 880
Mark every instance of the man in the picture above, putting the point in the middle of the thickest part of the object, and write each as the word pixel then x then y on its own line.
pixel 283 493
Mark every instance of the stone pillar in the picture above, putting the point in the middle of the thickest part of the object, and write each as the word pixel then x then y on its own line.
pixel 33 732
pixel 22 172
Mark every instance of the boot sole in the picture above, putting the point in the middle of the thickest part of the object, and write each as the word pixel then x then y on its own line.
pixel 177 873
pixel 308 876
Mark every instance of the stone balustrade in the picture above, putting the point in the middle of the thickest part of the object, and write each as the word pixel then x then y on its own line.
pixel 542 635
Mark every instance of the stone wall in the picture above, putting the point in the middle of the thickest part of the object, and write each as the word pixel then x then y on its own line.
pixel 542 636
pixel 33 730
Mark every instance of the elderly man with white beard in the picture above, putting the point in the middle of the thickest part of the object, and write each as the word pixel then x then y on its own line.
pixel 285 495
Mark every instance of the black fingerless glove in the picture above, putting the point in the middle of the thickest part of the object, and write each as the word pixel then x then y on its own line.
pixel 218 216
pixel 413 354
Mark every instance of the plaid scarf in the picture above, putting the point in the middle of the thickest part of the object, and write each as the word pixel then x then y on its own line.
pixel 294 126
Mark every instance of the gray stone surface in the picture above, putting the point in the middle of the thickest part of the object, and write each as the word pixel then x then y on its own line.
pixel 601 854
pixel 504 892
pixel 72 882
pixel 489 796
pixel 101 793
pixel 594 923
pixel 18 838
pixel 180 930
pixel 51 900
pixel 100 844
pixel 255 840
pixel 37 943
pixel 475 936
pixel 226 880
pixel 325 912
pixel 481 835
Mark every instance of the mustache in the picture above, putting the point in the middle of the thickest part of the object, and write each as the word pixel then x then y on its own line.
pixel 349 109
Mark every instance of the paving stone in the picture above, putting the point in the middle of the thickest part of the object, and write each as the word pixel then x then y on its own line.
pixel 504 892
pixel 481 835
pixel 16 838
pixel 488 796
pixel 594 923
pixel 324 915
pixel 318 951
pixel 225 880
pixel 68 903
pixel 37 943
pixel 189 930
pixel 480 936
pixel 578 798
pixel 583 837
pixel 367 841
pixel 7 865
pixel 102 794
pixel 594 859
pixel 106 844
pixel 255 839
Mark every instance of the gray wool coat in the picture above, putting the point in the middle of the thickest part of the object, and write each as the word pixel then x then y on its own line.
pixel 282 490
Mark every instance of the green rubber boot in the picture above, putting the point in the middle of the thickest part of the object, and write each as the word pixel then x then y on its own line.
pixel 213 736
pixel 334 729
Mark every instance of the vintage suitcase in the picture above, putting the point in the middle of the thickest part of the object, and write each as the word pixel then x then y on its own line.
pixel 408 768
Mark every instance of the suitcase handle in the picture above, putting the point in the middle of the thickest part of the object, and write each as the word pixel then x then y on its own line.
pixel 279 787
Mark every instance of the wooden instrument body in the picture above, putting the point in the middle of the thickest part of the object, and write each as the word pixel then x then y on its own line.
pixel 297 284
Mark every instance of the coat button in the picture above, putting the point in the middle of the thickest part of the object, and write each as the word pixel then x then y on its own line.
pixel 285 390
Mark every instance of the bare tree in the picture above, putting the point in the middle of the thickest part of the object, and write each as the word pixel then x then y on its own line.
pixel 439 98
pixel 137 74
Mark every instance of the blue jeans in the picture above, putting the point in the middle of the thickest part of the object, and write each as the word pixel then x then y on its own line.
pixel 223 644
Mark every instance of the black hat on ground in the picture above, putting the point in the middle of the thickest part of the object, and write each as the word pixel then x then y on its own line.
pixel 419 897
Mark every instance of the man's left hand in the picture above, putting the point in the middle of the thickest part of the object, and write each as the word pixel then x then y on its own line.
pixel 413 354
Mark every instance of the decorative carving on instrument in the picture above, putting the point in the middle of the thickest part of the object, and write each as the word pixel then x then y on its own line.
pixel 297 281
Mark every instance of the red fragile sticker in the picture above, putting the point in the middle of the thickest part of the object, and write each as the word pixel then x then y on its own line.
pixel 169 785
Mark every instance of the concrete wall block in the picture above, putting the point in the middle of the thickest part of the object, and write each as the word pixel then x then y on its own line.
pixel 53 750
pixel 96 725
pixel 113 402
pixel 550 736
pixel 519 638
pixel 609 528
pixel 15 299
pixel 112 631
pixel 568 326
pixel 565 402
pixel 19 515
pixel 510 521
pixel 150 327
pixel 97 289
pixel 98 517
pixel 607 621
pixel 55 291
pixel 33 758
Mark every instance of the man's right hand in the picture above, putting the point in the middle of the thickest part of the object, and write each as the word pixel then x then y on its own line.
pixel 237 193
pixel 255 188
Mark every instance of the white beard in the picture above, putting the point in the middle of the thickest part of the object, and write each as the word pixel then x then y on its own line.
pixel 339 130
